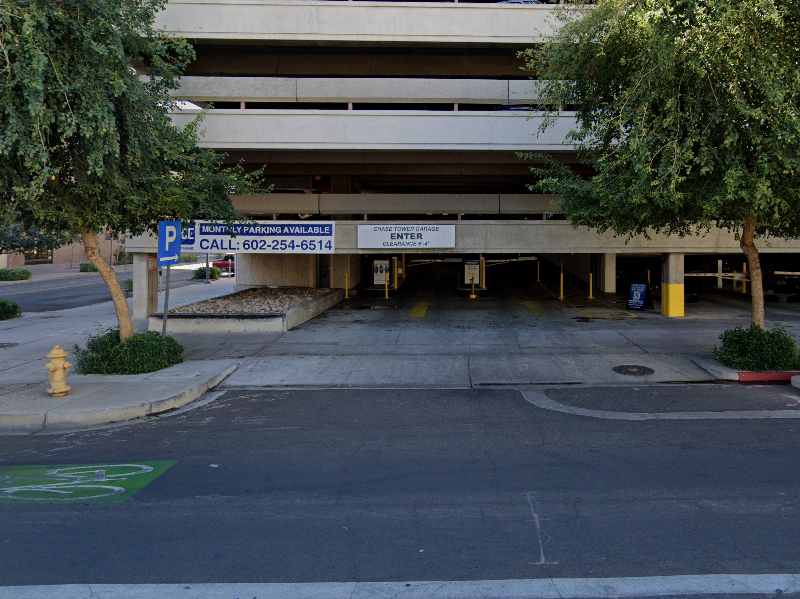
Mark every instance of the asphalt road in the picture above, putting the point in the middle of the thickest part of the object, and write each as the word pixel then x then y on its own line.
pixel 72 292
pixel 397 485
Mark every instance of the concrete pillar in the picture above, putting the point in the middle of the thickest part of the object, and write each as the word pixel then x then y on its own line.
pixel 145 285
pixel 276 270
pixel 672 290
pixel 342 264
pixel 607 275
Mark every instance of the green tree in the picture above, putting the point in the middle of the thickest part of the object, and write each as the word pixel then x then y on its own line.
pixel 16 238
pixel 687 112
pixel 85 142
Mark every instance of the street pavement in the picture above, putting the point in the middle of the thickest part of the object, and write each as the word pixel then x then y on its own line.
pixel 272 486
pixel 56 287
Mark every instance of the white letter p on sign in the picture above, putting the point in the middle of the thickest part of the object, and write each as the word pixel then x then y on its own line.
pixel 172 234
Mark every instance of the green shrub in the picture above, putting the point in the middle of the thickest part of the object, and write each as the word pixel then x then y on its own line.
pixel 9 309
pixel 188 258
pixel 127 285
pixel 144 352
pixel 15 274
pixel 214 273
pixel 88 267
pixel 757 349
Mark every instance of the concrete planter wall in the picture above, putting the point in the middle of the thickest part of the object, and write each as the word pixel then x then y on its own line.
pixel 247 323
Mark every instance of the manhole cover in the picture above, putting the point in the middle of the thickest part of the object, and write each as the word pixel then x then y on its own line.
pixel 633 370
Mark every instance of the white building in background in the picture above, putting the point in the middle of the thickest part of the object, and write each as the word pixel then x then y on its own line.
pixel 392 113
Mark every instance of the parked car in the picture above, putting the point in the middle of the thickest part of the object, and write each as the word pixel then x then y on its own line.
pixel 223 263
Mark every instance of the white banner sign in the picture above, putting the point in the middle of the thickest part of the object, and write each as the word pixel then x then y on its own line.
pixel 406 236
pixel 262 237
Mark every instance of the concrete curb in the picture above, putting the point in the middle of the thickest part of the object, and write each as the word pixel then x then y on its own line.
pixel 65 417
pixel 715 369
pixel 746 377
pixel 540 400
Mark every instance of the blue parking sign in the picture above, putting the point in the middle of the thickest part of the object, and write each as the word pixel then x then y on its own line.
pixel 169 242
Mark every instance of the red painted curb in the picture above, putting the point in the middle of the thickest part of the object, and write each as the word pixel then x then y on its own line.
pixel 766 378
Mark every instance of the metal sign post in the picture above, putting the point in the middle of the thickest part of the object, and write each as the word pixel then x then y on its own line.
pixel 166 307
pixel 169 252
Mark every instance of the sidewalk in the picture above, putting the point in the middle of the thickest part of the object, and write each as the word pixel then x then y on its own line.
pixel 24 343
pixel 49 272
pixel 456 344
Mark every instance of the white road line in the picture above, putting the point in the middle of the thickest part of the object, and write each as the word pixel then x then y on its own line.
pixel 545 588
pixel 538 525
pixel 540 400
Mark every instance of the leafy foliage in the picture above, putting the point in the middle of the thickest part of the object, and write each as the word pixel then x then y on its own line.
pixel 9 309
pixel 14 238
pixel 127 285
pixel 686 118
pixel 87 267
pixel 214 273
pixel 144 352
pixel 15 274
pixel 86 141
pixel 756 349
pixel 686 112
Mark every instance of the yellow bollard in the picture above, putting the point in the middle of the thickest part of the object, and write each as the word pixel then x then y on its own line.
pixel 744 277
pixel 537 271
pixel 394 261
pixel 347 285
pixel 57 369
pixel 472 279
pixel 561 289
pixel 483 273
pixel 387 285
pixel 590 286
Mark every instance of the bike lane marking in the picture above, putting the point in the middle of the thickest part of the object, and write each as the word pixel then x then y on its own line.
pixel 78 483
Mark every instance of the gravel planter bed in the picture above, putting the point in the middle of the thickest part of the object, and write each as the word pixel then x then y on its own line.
pixel 254 310
pixel 254 301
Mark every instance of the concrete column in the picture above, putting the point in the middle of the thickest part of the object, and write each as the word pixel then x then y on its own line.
pixel 672 289
pixel 276 270
pixel 607 275
pixel 342 264
pixel 145 286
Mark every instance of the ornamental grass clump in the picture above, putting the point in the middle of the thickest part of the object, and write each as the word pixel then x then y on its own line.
pixel 757 349
pixel 144 352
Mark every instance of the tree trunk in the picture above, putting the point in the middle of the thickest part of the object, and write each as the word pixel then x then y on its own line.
pixel 110 278
pixel 754 264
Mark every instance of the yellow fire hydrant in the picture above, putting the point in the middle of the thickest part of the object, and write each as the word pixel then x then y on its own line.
pixel 57 371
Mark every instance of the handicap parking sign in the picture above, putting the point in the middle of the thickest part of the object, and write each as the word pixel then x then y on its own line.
pixel 169 242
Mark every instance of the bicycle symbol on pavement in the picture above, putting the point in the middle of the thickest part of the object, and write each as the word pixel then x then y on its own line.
pixel 78 483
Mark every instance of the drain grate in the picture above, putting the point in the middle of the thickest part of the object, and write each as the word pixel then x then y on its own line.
pixel 633 370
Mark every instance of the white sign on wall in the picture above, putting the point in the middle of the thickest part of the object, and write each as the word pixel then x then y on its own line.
pixel 472 268
pixel 406 236
pixel 380 271
pixel 261 237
